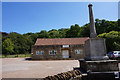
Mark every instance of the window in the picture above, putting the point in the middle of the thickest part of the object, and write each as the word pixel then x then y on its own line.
pixel 78 51
pixel 52 52
pixel 39 52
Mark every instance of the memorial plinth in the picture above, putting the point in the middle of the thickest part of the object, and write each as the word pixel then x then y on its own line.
pixel 99 66
pixel 95 49
pixel 95 57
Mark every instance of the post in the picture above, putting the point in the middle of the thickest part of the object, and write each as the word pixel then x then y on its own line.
pixel 92 24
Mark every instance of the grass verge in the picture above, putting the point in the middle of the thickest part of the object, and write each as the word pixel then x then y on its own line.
pixel 16 56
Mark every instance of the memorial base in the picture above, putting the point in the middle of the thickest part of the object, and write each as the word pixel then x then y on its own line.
pixel 99 66
pixel 110 75
pixel 99 70
pixel 95 49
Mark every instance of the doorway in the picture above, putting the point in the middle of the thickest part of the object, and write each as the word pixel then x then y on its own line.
pixel 65 53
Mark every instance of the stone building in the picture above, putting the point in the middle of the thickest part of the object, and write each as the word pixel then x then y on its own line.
pixel 61 48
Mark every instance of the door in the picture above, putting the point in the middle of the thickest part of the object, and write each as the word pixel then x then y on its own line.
pixel 65 54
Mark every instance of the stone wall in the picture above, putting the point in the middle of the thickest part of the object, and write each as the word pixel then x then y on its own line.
pixel 58 48
pixel 70 75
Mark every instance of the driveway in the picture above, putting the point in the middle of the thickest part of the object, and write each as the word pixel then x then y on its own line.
pixel 21 68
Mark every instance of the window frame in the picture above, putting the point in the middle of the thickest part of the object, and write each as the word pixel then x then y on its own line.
pixel 54 52
pixel 41 52
pixel 78 51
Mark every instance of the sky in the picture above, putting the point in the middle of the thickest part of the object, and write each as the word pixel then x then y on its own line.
pixel 119 10
pixel 24 17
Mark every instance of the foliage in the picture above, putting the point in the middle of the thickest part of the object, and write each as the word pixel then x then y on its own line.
pixel 21 43
pixel 43 34
pixel 0 43
pixel 106 26
pixel 119 22
pixel 112 40
pixel 54 33
pixel 85 32
pixel 62 32
pixel 7 47
pixel 32 36
pixel 74 31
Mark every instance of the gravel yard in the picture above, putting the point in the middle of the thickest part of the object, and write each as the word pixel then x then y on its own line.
pixel 21 68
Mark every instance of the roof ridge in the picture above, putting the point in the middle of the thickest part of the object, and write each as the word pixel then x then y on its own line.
pixel 62 38
pixel 61 41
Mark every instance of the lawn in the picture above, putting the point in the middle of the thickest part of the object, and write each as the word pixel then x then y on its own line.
pixel 15 56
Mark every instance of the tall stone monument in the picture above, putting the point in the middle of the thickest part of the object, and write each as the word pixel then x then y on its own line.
pixel 92 24
pixel 95 48
pixel 95 52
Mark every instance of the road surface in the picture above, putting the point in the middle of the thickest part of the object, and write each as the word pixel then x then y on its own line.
pixel 21 68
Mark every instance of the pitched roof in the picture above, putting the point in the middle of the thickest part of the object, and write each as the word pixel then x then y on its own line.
pixel 61 41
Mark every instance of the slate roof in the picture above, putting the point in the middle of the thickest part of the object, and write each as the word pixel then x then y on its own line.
pixel 61 41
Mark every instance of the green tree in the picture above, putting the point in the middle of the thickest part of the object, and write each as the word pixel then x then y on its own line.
pixel 117 45
pixel 22 43
pixel 33 36
pixel 7 47
pixel 85 30
pixel 43 34
pixel 74 31
pixel 54 33
pixel 62 32
pixel 119 22
pixel 112 40
pixel 0 43
pixel 102 26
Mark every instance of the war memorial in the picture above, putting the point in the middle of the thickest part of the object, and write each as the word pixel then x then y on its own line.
pixel 96 65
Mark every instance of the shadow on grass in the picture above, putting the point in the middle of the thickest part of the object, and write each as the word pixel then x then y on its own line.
pixel 28 58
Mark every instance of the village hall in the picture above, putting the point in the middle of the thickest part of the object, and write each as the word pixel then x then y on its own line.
pixel 59 48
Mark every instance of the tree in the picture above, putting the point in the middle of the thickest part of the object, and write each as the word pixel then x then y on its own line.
pixel 0 43
pixel 112 40
pixel 106 26
pixel 74 31
pixel 22 43
pixel 102 26
pixel 54 33
pixel 62 32
pixel 85 30
pixel 33 36
pixel 117 45
pixel 7 47
pixel 119 22
pixel 43 34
